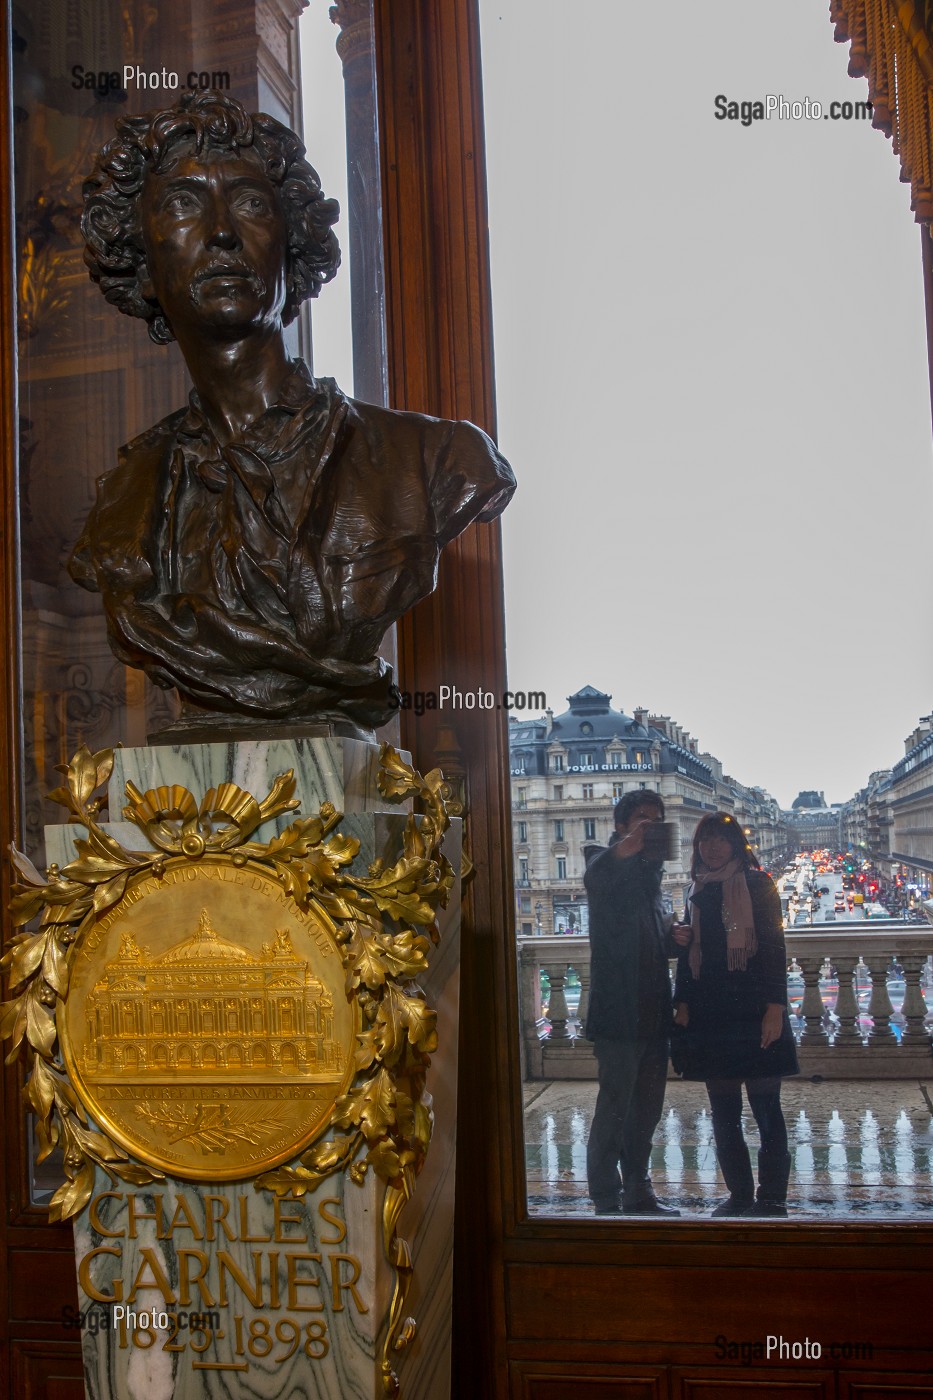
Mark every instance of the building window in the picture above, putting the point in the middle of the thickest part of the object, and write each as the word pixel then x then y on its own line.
pixel 586 760
pixel 639 756
pixel 526 903
pixel 558 792
pixel 523 870
pixel 558 831
pixel 526 930
pixel 587 792
pixel 520 762
pixel 589 829
pixel 557 760
pixel 617 790
pixel 561 867
pixel 523 831
pixel 521 797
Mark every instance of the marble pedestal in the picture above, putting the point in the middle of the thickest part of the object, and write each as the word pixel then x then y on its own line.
pixel 197 1291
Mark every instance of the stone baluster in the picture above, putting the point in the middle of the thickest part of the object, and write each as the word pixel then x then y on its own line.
pixel 914 1008
pixel 814 1032
pixel 557 1011
pixel 847 1010
pixel 530 994
pixel 882 1034
pixel 583 972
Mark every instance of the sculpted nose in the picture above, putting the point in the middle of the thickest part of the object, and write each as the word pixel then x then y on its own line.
pixel 223 231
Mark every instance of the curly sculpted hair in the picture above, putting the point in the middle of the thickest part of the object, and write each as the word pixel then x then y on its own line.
pixel 144 145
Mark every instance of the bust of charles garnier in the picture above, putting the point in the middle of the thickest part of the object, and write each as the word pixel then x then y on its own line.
pixel 252 548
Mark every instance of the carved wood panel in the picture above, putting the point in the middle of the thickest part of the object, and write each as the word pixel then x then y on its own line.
pixel 723 1386
pixel 46 1371
pixel 878 1388
pixel 537 1381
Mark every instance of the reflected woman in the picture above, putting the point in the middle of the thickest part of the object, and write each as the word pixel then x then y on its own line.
pixel 731 1010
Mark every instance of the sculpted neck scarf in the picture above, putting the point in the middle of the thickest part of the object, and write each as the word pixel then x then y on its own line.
pixel 737 915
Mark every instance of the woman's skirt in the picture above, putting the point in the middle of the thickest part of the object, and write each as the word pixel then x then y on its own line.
pixel 731 1049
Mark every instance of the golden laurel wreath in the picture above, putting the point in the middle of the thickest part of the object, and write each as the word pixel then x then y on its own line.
pixel 384 924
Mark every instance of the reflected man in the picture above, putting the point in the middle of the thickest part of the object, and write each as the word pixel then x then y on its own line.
pixel 630 1010
pixel 253 547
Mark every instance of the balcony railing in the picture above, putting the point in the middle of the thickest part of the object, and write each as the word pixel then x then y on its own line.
pixel 840 988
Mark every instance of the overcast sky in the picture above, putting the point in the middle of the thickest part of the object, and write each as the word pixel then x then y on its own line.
pixel 711 379
pixel 712 384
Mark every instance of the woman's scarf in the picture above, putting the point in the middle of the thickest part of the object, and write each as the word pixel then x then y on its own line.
pixel 737 916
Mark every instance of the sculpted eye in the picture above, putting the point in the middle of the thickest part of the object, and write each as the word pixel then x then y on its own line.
pixel 181 202
pixel 255 203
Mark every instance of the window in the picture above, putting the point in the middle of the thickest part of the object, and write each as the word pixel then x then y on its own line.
pixel 587 792
pixel 589 829
pixel 557 762
pixel 526 930
pixel 558 831
pixel 561 867
pixel 558 792
pixel 521 797
pixel 523 831
pixel 617 790
pixel 639 756
pixel 523 869
pixel 586 760
pixel 526 903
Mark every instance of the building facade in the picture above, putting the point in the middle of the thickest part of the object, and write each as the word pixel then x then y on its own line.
pixel 569 770
pixel 910 804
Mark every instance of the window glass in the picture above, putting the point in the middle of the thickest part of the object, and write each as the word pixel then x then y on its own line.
pixel 709 326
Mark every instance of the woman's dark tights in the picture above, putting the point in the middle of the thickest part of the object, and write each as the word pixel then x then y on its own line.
pixel 764 1097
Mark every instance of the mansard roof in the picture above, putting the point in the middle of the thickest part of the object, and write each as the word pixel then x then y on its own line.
pixel 591 716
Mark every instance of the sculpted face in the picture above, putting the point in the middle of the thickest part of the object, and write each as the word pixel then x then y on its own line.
pixel 215 240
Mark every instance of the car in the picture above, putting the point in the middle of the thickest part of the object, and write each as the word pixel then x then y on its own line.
pixel 829 916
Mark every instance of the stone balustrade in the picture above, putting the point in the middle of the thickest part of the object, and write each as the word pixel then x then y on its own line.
pixel 830 971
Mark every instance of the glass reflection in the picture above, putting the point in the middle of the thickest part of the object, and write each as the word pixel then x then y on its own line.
pixel 857 1148
pixel 694 558
pixel 89 379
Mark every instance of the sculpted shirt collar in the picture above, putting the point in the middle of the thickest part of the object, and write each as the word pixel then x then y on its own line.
pixel 299 392
pixel 264 459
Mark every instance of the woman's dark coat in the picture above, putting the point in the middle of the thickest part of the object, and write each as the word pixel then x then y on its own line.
pixel 723 1037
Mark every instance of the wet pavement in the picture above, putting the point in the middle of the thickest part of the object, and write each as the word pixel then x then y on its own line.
pixel 858 1148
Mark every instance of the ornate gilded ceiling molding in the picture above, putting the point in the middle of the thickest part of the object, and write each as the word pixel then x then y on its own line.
pixel 891 45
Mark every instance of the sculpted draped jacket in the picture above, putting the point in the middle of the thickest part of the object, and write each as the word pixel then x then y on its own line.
pixel 260 577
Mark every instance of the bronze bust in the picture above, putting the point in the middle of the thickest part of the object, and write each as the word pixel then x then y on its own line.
pixel 252 548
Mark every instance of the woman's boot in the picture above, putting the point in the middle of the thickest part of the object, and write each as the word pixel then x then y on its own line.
pixel 734 1161
pixel 773 1176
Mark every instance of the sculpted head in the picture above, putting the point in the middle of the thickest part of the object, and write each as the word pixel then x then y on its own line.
pixel 213 208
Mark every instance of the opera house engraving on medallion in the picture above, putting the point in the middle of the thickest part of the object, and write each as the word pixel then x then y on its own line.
pixel 208 1004
pixel 209 1056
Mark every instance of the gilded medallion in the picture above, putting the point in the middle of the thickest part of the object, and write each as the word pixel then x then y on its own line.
pixel 207 1027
